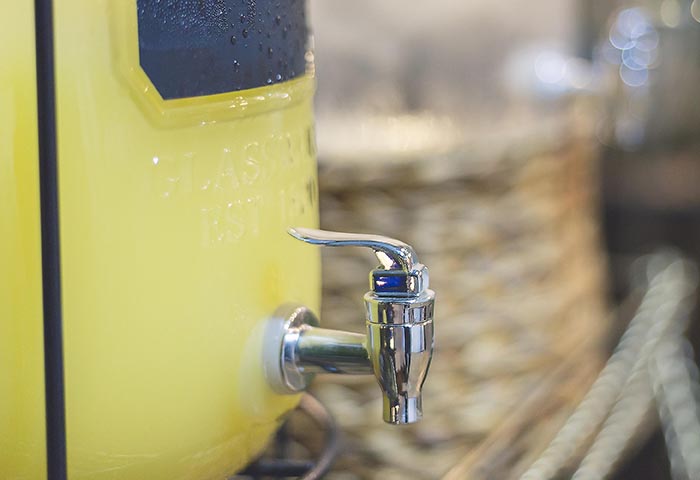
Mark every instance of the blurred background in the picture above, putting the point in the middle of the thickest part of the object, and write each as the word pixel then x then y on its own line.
pixel 534 153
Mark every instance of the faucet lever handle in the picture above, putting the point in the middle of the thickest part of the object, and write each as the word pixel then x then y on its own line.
pixel 392 254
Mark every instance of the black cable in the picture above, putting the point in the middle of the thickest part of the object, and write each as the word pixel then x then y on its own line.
pixel 50 246
pixel 318 412
pixel 304 469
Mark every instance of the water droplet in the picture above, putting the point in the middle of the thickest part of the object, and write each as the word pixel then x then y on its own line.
pixel 278 77
pixel 245 33
pixel 233 39
pixel 270 52
pixel 236 66
pixel 242 18
pixel 278 20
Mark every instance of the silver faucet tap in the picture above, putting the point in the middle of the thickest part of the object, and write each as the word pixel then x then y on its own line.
pixel 397 347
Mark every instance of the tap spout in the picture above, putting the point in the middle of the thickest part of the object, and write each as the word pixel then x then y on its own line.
pixel 400 358
pixel 398 354
pixel 320 350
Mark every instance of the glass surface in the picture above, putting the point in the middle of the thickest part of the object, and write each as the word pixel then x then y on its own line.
pixel 22 431
pixel 173 221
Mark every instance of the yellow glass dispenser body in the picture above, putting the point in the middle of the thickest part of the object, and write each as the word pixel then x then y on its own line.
pixel 173 217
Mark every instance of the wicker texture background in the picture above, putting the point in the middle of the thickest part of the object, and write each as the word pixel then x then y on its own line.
pixel 508 230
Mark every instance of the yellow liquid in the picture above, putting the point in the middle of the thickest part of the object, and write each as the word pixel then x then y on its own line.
pixel 174 249
pixel 22 438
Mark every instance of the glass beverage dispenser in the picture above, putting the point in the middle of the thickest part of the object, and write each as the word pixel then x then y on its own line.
pixel 154 155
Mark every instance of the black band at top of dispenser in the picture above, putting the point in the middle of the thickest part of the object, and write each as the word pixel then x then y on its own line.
pixel 190 48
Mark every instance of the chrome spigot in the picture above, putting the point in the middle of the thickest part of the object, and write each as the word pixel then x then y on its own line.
pixel 397 347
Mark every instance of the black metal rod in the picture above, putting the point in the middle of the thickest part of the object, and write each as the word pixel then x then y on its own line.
pixel 50 245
